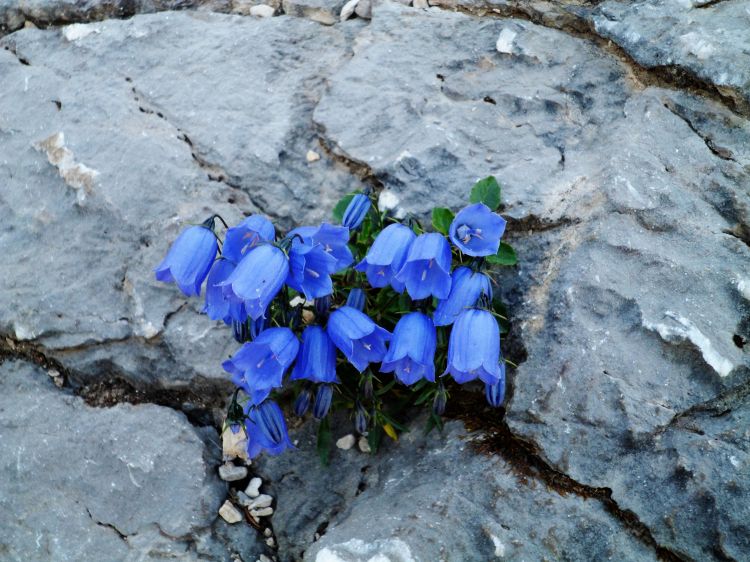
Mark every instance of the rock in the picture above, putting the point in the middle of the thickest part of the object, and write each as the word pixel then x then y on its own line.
pixel 230 472
pixel 363 9
pixel 229 513
pixel 121 93
pixel 363 445
pixel 270 542
pixel 708 40
pixel 262 512
pixel 346 12
pixel 346 442
pixel 243 499
pixel 263 500
pixel 620 246
pixel 436 474
pixel 136 482
pixel 504 43
pixel 262 11
pixel 14 15
pixel 321 11
pixel 312 156
pixel 253 488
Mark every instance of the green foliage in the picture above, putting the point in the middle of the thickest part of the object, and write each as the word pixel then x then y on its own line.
pixel 442 219
pixel 486 191
pixel 506 255
pixel 325 438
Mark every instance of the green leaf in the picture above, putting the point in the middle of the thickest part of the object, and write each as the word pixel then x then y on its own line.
pixel 340 208
pixel 324 441
pixel 486 191
pixel 374 437
pixel 432 422
pixel 506 255
pixel 442 219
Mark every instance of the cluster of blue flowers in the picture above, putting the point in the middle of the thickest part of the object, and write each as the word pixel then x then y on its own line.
pixel 252 276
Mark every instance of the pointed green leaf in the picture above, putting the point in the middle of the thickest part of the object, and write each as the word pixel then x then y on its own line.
pixel 506 255
pixel 486 191
pixel 442 219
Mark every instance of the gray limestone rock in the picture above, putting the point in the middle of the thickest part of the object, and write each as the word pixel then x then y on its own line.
pixel 432 498
pixel 134 482
pixel 322 11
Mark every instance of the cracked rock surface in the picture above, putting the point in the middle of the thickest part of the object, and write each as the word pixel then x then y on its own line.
pixel 625 173
pixel 121 483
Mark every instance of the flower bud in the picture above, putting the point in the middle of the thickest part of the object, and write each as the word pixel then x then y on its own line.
pixel 360 419
pixel 438 405
pixel 322 308
pixel 356 299
pixel 356 211
pixel 323 400
pixel 241 331
pixel 303 401
pixel 367 390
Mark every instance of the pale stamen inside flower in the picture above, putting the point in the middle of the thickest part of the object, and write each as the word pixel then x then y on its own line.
pixel 260 363
pixel 381 272
pixel 313 273
pixel 424 275
pixel 367 346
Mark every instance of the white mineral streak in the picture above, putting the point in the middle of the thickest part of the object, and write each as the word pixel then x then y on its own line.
pixel 388 550
pixel 505 41
pixel 743 286
pixel 499 546
pixel 77 31
pixel 686 330
pixel 262 11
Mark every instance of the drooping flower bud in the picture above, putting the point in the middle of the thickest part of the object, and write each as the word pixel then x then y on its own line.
pixel 356 211
pixel 441 399
pixel 303 401
pixel 323 400
pixel 360 418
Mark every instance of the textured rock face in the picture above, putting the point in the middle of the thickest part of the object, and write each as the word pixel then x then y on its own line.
pixel 401 503
pixel 631 300
pixel 134 482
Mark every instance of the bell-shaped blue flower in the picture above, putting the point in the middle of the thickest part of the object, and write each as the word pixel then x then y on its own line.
pixel 266 430
pixel 356 299
pixel 495 393
pixel 316 254
pixel 427 270
pixel 257 279
pixel 189 259
pixel 357 336
pixel 474 347
pixel 316 360
pixel 356 211
pixel 259 365
pixel 251 232
pixel 411 353
pixel 323 399
pixel 476 230
pixel 466 288
pixel 219 306
pixel 387 255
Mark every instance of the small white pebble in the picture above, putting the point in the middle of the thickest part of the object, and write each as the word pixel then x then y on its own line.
pixel 267 532
pixel 317 536
pixel 262 512
pixel 243 499
pixel 264 558
pixel 421 4
pixel 346 442
pixel 263 500
pixel 253 488
pixel 229 513
pixel 53 373
pixel 270 542
pixel 229 472
pixel 364 446
pixel 262 11
pixel 312 156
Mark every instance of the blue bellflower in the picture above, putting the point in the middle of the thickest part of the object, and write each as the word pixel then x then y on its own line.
pixel 476 230
pixel 259 366
pixel 411 353
pixel 251 232
pixel 474 347
pixel 316 254
pixel 357 336
pixel 466 288
pixel 317 357
pixel 387 255
pixel 266 430
pixel 356 211
pixel 428 267
pixel 218 306
pixel 189 259
pixel 257 279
